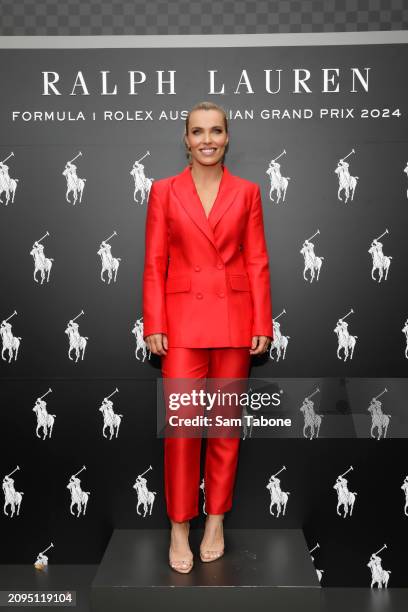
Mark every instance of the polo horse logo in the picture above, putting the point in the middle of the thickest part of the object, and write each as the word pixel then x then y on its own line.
pixel 76 342
pixel 79 498
pixel 110 264
pixel 42 264
pixel 202 487
pixel 142 184
pixel 378 574
pixel 278 182
pixel 405 490
pixel 312 262
pixel 12 497
pixel 140 343
pixel 41 561
pixel 279 342
pixel 318 572
pixel 312 420
pixel 347 183
pixel 247 422
pixel 345 497
pixel 10 343
pixel 8 185
pixel 346 341
pixel 405 332
pixel 279 498
pixel 75 184
pixel 111 420
pixel 381 262
pixel 44 419
pixel 379 420
pixel 144 496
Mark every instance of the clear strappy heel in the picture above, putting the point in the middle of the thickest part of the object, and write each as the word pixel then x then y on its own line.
pixel 182 566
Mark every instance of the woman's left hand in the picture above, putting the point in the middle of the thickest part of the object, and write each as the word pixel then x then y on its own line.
pixel 260 344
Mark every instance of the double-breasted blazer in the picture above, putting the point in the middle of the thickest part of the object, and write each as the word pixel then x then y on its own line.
pixel 206 282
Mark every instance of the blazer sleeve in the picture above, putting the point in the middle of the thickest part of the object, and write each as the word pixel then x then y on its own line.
pixel 257 263
pixel 155 265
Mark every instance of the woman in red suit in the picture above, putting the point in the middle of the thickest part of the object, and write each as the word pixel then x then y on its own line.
pixel 206 310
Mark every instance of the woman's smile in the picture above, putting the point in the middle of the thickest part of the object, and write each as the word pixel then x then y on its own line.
pixel 208 151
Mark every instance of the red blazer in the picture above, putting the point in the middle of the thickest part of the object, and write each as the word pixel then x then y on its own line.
pixel 206 281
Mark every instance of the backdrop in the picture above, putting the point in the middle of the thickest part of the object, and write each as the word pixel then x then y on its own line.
pixel 322 130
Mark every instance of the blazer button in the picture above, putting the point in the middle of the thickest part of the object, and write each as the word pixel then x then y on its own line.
pixel 221 294
pixel 199 296
pixel 220 266
pixel 197 268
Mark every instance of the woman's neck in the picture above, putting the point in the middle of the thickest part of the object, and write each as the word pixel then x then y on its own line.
pixel 206 175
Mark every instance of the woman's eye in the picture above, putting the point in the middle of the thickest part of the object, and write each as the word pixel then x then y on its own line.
pixel 197 131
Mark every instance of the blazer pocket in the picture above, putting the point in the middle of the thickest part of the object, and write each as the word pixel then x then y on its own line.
pixel 239 282
pixel 178 284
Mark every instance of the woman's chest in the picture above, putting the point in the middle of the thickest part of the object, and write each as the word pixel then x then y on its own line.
pixel 193 217
pixel 207 198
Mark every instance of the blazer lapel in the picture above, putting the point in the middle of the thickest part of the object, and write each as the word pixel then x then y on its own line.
pixel 185 191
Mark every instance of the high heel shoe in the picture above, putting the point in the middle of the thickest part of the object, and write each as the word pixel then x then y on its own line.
pixel 210 555
pixel 182 566
pixel 214 554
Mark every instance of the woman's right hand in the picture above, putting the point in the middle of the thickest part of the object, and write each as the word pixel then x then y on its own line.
pixel 157 344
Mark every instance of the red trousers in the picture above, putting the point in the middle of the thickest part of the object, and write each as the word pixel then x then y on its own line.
pixel 182 455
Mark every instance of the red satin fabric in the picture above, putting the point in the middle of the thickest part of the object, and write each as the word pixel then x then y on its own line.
pixel 182 455
pixel 206 281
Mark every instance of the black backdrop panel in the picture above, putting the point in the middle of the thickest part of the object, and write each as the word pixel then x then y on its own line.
pixel 313 147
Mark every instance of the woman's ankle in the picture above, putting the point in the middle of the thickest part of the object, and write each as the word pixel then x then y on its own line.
pixel 215 518
pixel 180 525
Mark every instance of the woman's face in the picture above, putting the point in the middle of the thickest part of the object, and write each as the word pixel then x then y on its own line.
pixel 206 136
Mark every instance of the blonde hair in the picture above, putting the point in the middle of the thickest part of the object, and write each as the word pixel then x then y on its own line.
pixel 204 106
